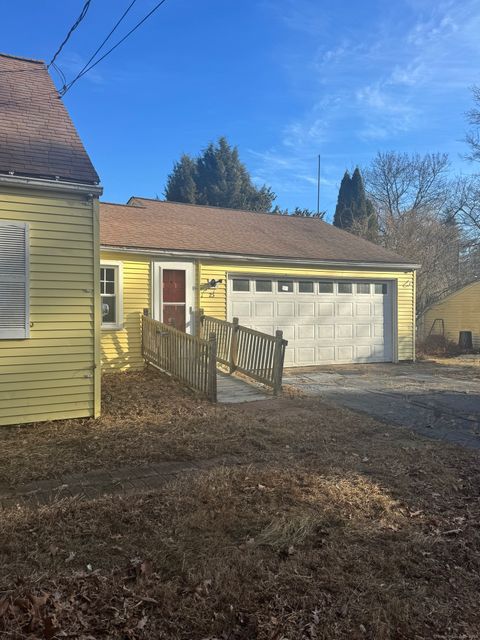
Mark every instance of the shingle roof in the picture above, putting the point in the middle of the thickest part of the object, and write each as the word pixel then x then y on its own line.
pixel 152 224
pixel 37 136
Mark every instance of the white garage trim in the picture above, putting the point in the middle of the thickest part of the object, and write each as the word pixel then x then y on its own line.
pixel 325 320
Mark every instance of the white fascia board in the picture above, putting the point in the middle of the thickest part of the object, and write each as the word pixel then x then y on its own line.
pixel 43 184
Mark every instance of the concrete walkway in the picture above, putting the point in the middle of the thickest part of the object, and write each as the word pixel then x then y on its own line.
pixel 231 389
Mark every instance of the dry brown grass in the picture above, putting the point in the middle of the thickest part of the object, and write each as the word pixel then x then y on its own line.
pixel 246 553
pixel 346 528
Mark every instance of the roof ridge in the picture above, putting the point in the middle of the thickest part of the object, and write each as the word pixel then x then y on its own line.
pixel 22 58
pixel 211 206
pixel 120 204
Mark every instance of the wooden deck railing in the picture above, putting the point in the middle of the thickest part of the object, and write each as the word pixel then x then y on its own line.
pixel 190 359
pixel 255 354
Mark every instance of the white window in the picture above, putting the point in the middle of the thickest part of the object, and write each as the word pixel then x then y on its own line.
pixel 111 294
pixel 14 298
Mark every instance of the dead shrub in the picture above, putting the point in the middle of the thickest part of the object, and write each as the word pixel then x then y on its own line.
pixel 438 345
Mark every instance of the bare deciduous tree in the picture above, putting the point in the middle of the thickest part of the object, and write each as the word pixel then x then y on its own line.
pixel 473 136
pixel 399 182
pixel 413 197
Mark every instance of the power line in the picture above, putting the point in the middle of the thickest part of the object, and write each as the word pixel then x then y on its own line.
pixel 82 15
pixel 80 73
pixel 139 24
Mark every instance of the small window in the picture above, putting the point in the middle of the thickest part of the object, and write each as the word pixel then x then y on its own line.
pixel 263 286
pixel 305 286
pixel 285 286
pixel 345 287
pixel 325 287
pixel 381 289
pixel 363 287
pixel 240 284
pixel 110 283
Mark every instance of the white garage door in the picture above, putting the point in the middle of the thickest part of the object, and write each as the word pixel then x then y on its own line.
pixel 324 321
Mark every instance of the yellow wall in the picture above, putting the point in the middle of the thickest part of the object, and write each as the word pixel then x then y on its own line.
pixel 52 373
pixel 214 301
pixel 122 348
pixel 460 312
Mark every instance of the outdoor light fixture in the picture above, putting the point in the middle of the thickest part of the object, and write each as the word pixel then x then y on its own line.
pixel 213 283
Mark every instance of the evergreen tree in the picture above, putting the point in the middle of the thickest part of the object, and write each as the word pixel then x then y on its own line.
pixel 217 178
pixel 299 212
pixel 181 183
pixel 343 212
pixel 354 211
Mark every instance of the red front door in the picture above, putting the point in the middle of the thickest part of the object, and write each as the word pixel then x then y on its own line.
pixel 173 298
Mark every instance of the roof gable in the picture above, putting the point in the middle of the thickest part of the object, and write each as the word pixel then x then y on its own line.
pixel 37 136
pixel 155 225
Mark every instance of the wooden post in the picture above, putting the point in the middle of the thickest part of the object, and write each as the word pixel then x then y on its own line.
pixel 212 367
pixel 233 355
pixel 278 362
pixel 199 322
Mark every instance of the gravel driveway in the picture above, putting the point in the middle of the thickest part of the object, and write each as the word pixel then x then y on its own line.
pixel 440 401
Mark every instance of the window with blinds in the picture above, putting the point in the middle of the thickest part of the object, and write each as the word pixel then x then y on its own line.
pixel 14 312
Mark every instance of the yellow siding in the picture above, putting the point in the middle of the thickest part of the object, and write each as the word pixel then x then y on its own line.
pixel 51 374
pixel 460 312
pixel 214 301
pixel 122 348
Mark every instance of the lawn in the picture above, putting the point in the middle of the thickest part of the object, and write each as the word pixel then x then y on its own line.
pixel 332 526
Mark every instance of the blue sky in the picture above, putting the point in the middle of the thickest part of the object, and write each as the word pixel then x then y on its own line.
pixel 282 79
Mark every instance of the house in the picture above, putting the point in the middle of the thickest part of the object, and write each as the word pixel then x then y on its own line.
pixel 49 254
pixel 337 297
pixel 459 311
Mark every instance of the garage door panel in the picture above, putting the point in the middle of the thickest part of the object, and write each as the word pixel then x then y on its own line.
pixel 326 309
pixel 241 309
pixel 286 309
pixel 363 351
pixel 264 309
pixel 305 355
pixel 344 353
pixel 378 331
pixel 326 330
pixel 288 331
pixel 363 331
pixel 345 309
pixel 344 331
pixel 306 332
pixel 325 354
pixel 326 325
pixel 306 310
pixel 363 309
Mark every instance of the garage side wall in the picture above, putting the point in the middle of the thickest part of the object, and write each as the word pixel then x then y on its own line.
pixel 52 373
pixel 122 348
pixel 214 301
pixel 458 312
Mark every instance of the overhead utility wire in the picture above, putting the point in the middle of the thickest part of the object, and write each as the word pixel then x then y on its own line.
pixel 157 6
pixel 82 15
pixel 80 73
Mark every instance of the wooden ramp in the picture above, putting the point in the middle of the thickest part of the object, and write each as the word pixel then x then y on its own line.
pixel 231 389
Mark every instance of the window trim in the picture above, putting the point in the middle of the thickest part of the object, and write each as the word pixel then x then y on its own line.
pixel 21 334
pixel 117 265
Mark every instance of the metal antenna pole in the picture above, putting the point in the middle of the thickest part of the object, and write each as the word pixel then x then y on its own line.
pixel 318 186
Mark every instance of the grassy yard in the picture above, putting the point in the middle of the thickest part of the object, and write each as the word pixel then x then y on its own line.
pixel 333 526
